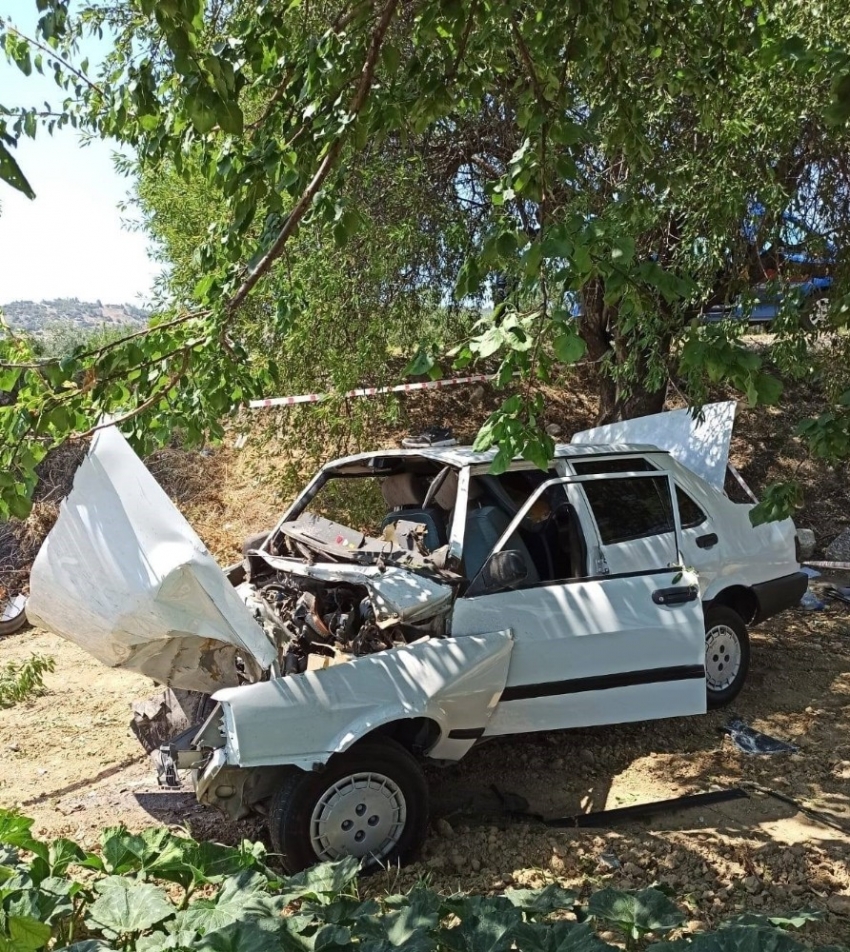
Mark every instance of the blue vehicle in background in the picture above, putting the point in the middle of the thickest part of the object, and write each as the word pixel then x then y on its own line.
pixel 791 277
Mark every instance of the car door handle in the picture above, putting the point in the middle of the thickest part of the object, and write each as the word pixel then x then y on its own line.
pixel 677 595
pixel 707 541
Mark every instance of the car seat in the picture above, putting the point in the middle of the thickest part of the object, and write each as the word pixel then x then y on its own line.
pixel 484 527
pixel 404 493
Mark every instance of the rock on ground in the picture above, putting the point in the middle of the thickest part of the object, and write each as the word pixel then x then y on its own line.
pixel 839 549
pixel 807 542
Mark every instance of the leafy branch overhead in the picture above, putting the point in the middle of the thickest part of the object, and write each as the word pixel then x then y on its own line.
pixel 334 183
pixel 156 890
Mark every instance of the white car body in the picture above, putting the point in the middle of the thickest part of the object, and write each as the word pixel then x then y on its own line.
pixel 600 630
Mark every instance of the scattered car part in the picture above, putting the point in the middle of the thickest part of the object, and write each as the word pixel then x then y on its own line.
pixel 13 614
pixel 158 719
pixel 604 818
pixel 839 593
pixel 430 436
pixel 751 741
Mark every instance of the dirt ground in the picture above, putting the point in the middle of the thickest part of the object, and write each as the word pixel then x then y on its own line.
pixel 69 760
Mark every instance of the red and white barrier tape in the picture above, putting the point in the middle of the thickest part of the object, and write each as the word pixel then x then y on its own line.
pixel 370 391
pixel 827 565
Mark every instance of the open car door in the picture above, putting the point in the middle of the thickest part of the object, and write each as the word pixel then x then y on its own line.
pixel 602 649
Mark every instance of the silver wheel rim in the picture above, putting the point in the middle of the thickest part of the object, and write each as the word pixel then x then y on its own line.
pixel 819 312
pixel 361 815
pixel 722 657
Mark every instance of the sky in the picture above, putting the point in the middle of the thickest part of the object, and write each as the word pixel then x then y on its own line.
pixel 69 241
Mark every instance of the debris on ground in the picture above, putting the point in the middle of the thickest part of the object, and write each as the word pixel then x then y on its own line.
pixel 839 593
pixel 839 549
pixel 751 741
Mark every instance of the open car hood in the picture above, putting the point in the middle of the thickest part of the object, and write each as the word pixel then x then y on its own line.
pixel 701 446
pixel 123 575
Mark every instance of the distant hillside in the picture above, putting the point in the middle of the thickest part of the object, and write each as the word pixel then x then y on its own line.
pixel 39 317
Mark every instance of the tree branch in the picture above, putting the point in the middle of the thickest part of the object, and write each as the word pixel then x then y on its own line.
pixel 330 159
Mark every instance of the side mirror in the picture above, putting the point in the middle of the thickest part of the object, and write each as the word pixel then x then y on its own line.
pixel 502 570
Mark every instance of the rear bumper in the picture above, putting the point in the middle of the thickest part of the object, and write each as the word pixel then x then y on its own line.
pixel 778 594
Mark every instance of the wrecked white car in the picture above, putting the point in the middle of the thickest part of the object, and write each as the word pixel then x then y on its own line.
pixel 615 587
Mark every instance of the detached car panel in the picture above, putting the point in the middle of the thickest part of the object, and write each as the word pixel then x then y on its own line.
pixel 124 575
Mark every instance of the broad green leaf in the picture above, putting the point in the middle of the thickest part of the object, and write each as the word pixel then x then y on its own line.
pixel 569 348
pixel 322 883
pixel 27 933
pixel 248 936
pixel 487 931
pixel 127 906
pixel 734 939
pixel 542 901
pixel 795 920
pixel 558 937
pixel 635 913
pixel 241 897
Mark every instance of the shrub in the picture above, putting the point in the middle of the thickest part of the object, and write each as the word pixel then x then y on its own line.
pixel 156 890
pixel 25 680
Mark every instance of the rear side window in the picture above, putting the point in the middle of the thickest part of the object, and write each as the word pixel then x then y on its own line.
pixel 690 513
pixel 627 509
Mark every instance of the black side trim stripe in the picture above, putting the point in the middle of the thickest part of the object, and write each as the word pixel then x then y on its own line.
pixel 466 733
pixel 604 682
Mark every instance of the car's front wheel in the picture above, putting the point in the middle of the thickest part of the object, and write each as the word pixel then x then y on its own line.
pixel 370 802
pixel 727 655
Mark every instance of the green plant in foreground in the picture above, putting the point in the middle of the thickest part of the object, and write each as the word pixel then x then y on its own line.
pixel 139 893
pixel 25 680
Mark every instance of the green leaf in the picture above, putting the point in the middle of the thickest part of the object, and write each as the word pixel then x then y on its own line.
pixel 241 897
pixel 794 920
pixel 635 913
pixel 422 363
pixel 323 882
pixel 489 931
pixel 27 934
pixel 11 174
pixel 250 936
pixel 16 830
pixel 127 906
pixel 558 937
pixel 569 347
pixel 735 939
pixel 623 249
pixel 542 901
pixel 202 108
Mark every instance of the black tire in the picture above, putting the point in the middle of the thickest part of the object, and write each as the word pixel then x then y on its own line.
pixel 723 621
pixel 301 792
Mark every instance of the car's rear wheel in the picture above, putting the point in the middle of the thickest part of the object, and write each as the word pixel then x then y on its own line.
pixel 727 655
pixel 815 314
pixel 370 802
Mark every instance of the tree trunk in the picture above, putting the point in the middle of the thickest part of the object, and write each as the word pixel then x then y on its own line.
pixel 606 350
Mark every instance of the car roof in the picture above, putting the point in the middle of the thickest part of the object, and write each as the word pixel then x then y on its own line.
pixel 460 456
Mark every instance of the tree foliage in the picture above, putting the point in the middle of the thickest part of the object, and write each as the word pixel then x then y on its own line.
pixel 609 169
